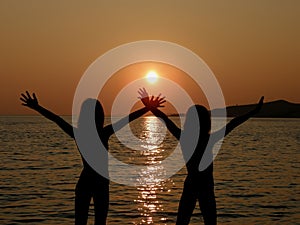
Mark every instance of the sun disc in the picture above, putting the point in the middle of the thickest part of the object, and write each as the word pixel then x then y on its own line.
pixel 151 77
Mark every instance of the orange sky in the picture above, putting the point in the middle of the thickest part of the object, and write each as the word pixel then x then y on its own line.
pixel 251 46
pixel 139 70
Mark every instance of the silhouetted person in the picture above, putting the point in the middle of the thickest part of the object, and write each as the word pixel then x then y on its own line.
pixel 198 185
pixel 90 184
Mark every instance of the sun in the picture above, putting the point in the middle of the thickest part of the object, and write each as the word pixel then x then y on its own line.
pixel 152 77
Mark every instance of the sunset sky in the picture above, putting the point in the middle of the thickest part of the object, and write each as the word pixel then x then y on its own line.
pixel 252 47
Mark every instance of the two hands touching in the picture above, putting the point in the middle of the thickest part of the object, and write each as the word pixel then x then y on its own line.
pixel 153 102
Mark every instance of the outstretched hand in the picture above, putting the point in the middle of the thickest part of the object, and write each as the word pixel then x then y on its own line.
pixel 29 101
pixel 259 105
pixel 151 103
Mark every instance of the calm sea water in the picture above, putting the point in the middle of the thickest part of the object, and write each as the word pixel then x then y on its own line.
pixel 256 174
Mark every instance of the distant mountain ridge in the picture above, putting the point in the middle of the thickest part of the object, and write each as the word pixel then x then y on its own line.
pixel 275 109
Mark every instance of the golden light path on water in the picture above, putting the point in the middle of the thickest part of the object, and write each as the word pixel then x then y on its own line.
pixel 150 182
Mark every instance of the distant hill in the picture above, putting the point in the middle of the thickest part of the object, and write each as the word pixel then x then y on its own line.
pixel 275 109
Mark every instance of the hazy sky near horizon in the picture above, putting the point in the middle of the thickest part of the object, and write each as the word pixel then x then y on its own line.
pixel 251 46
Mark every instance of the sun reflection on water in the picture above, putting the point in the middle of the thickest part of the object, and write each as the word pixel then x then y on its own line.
pixel 150 181
pixel 152 135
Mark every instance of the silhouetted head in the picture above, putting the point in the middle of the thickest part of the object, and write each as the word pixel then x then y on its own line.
pixel 198 115
pixel 91 113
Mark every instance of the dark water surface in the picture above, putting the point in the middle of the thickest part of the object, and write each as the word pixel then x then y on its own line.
pixel 256 174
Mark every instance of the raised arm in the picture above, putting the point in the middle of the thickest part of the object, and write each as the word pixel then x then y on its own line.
pixel 110 129
pixel 151 104
pixel 239 120
pixel 32 102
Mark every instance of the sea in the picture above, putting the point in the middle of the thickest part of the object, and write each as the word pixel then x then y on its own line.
pixel 256 173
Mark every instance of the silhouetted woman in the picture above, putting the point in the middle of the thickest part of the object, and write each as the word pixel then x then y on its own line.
pixel 198 185
pixel 90 184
